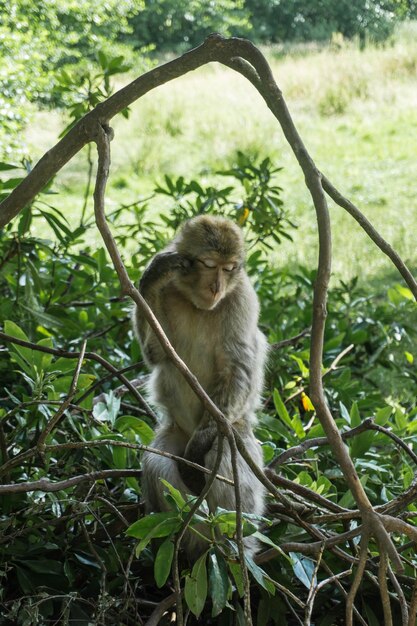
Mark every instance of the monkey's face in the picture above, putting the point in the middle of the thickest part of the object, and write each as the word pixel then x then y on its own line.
pixel 210 279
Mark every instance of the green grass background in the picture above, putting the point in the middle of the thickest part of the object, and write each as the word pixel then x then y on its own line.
pixel 355 110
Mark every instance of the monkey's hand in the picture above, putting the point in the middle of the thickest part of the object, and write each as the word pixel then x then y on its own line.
pixel 199 445
pixel 161 266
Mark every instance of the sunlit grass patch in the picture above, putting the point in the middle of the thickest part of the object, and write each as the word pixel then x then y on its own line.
pixel 355 110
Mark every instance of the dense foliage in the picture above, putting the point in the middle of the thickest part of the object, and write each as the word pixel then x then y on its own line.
pixel 170 24
pixel 300 20
pixel 65 555
pixel 86 553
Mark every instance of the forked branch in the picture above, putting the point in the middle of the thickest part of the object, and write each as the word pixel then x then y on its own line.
pixel 245 58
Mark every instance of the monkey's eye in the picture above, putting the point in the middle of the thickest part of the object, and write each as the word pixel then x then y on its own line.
pixel 229 267
pixel 208 263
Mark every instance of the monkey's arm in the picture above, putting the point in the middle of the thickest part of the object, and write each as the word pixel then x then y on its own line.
pixel 156 276
pixel 239 380
pixel 235 391
pixel 199 445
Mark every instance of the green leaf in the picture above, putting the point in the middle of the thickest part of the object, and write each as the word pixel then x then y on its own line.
pixel 86 560
pixel 144 526
pixel 42 360
pixel 138 426
pixel 268 449
pixel 361 444
pixel 264 612
pixel 45 566
pixel 26 354
pixel 226 521
pixel 119 457
pixel 237 573
pixel 297 426
pixel 195 590
pixel 7 166
pixel 281 409
pixel 107 410
pixel 219 582
pixel 63 383
pixel 176 495
pixel 163 562
pixel 382 415
pixel 348 500
pixel 269 542
pixel 399 294
pixel 303 368
pixel 26 583
pixel 303 568
pixel 259 575
pixel 355 418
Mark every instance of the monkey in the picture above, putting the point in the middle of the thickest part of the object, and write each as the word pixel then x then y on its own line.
pixel 199 291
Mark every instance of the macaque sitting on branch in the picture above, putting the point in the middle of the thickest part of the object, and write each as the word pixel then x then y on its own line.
pixel 199 291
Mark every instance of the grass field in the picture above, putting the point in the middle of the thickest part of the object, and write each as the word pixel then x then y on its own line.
pixel 356 112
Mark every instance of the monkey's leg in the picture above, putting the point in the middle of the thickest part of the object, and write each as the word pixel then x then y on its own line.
pixel 199 445
pixel 155 466
pixel 252 492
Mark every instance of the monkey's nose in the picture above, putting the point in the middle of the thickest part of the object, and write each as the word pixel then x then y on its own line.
pixel 215 288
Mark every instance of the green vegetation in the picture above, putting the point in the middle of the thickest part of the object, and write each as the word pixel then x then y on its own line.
pixel 354 109
pixel 86 553
pixel 66 555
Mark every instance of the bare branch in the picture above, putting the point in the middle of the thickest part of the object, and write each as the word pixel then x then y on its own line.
pixel 64 406
pixel 383 588
pixel 292 340
pixel 413 606
pixel 88 355
pixel 23 456
pixel 44 484
pixel 383 245
pixel 400 595
pixel 316 443
pixel 358 578
pixel 239 532
pixel 159 611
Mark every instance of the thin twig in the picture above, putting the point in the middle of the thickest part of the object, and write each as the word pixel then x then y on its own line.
pixel 412 612
pixel 40 444
pixel 159 611
pixel 344 592
pixel 383 245
pixel 88 355
pixel 358 578
pixel 312 591
pixel 316 443
pixel 292 340
pixel 28 486
pixel 400 595
pixel 332 368
pixel 239 531
pixel 383 587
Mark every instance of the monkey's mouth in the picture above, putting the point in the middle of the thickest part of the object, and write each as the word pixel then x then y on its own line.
pixel 208 302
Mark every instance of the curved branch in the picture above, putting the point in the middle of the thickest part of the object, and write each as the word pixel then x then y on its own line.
pixel 383 245
pixel 88 355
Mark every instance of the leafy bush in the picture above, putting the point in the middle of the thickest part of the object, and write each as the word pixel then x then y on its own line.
pixel 66 555
pixel 40 43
